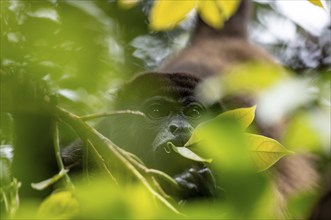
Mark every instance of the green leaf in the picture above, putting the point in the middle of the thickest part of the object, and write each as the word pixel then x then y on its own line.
pixel 59 205
pixel 244 116
pixel 254 77
pixel 251 79
pixel 211 13
pixel 187 153
pixel 317 3
pixel 300 133
pixel 228 7
pixel 167 14
pixel 266 151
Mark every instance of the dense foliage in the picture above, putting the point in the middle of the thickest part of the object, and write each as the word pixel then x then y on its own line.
pixel 63 60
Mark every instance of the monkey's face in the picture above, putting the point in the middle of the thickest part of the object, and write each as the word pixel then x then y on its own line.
pixel 172 119
pixel 172 112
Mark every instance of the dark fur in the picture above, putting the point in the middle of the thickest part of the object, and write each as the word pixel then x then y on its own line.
pixel 152 84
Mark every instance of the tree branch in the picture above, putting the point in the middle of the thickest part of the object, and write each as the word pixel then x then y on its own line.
pixel 105 147
pixel 105 114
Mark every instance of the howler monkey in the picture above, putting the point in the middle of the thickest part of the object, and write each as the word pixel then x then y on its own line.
pixel 168 99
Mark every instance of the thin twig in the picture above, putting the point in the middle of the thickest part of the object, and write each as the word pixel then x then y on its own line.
pixel 85 161
pixel 101 162
pixel 158 186
pixel 136 161
pixel 143 180
pixel 164 176
pixel 106 114
pixel 56 142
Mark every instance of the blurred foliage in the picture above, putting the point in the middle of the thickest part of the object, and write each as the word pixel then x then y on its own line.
pixel 316 2
pixel 64 44
pixel 60 205
pixel 214 13
pixel 299 47
pixel 73 54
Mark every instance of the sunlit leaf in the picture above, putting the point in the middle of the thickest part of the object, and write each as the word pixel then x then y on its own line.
pixel 228 7
pixel 301 134
pixel 253 77
pixel 167 14
pixel 59 205
pixel 244 116
pixel 46 183
pixel 187 153
pixel 265 151
pixel 316 2
pixel 211 13
pixel 128 3
pixel 100 199
pixel 224 141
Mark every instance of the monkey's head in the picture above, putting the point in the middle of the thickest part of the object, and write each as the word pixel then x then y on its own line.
pixel 172 112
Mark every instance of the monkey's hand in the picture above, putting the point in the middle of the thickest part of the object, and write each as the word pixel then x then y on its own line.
pixel 196 182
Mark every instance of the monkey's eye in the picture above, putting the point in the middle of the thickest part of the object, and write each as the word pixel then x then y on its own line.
pixel 156 111
pixel 194 111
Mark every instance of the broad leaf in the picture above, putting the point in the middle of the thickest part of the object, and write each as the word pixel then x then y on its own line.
pixel 254 77
pixel 167 14
pixel 244 116
pixel 187 153
pixel 228 7
pixel 316 2
pixel 266 151
pixel 59 205
pixel 211 13
pixel 301 133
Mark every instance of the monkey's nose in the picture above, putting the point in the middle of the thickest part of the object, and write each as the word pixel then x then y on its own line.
pixel 176 129
pixel 173 129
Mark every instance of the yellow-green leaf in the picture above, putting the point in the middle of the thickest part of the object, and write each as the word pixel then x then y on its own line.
pixel 228 7
pixel 187 153
pixel 244 116
pixel 265 151
pixel 253 77
pixel 128 3
pixel 211 13
pixel 167 14
pixel 300 133
pixel 59 205
pixel 316 2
